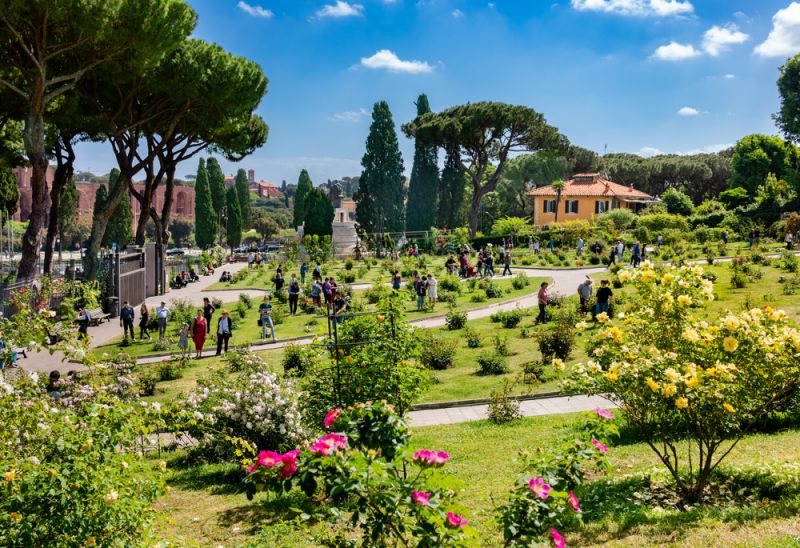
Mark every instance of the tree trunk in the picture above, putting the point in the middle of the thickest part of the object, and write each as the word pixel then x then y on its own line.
pixel 100 224
pixel 558 204
pixel 37 156
pixel 62 176
pixel 166 208
pixel 475 211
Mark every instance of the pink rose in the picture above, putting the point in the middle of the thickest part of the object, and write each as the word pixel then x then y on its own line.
pixel 573 501
pixel 558 540
pixel 600 446
pixel 604 414
pixel 539 487
pixel 421 498
pixel 331 417
pixel 455 520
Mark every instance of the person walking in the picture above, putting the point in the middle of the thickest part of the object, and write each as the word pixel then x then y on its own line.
pixel 84 319
pixel 536 247
pixel 620 250
pixel 162 314
pixel 303 272
pixel 317 273
pixel 507 264
pixel 396 280
pixel 208 313
pixel 326 292
pixel 265 318
pixel 488 267
pixel 294 295
pixel 224 332
pixel 612 257
pixel 126 316
pixel 432 283
pixel 660 240
pixel 725 236
pixel 789 241
pixel 636 254
pixel 751 237
pixel 279 281
pixel 579 247
pixel 585 294
pixel 144 322
pixel 604 295
pixel 199 330
pixel 542 298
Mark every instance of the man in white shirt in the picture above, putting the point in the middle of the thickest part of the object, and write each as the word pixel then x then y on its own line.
pixel 162 314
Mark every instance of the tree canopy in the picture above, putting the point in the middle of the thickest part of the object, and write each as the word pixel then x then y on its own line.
pixel 204 215
pixel 485 134
pixel 234 214
pixel 304 186
pixel 756 156
pixel 319 213
pixel 423 187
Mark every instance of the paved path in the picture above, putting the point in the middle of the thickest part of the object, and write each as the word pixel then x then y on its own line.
pixel 529 408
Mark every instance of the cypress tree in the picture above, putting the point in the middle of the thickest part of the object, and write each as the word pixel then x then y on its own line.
pixel 9 193
pixel 452 192
pixel 120 228
pixel 318 213
pixel 243 193
pixel 205 217
pixel 216 182
pixel 234 218
pixel 381 192
pixel 100 198
pixel 423 188
pixel 304 186
pixel 68 210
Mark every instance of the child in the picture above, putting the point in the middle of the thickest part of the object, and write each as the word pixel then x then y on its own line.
pixel 183 339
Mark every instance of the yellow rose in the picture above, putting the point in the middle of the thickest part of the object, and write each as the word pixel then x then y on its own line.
pixel 16 516
pixel 53 472
pixel 652 384
pixel 681 403
pixel 684 300
pixel 732 323
pixel 670 389
pixel 10 476
pixel 777 315
pixel 558 364
pixel 162 464
pixel 728 407
pixel 624 276
pixel 602 317
pixel 691 335
pixel 666 278
pixel 730 344
pixel 648 275
pixel 692 381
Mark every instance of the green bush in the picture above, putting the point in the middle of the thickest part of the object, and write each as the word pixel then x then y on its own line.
pixel 738 280
pixel 521 281
pixel 437 352
pixel 170 370
pixel 478 298
pixel 246 300
pixel 349 277
pixel 501 345
pixel 147 383
pixel 450 283
pixel 293 361
pixel 456 320
pixel 473 338
pixel 348 264
pixel 492 364
pixel 556 342
pixel 503 408
pixel 508 319
pixel 493 292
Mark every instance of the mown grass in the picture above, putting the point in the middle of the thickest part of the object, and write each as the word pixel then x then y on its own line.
pixel 206 507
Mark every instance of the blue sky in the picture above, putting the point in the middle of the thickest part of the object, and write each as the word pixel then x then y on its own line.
pixel 618 75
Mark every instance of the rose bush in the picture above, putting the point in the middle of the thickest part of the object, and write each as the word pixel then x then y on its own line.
pixel 681 377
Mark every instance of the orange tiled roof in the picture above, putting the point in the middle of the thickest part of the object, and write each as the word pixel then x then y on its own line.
pixel 263 184
pixel 592 184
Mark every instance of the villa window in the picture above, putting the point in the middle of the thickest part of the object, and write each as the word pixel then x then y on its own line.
pixel 549 206
pixel 571 206
pixel 601 206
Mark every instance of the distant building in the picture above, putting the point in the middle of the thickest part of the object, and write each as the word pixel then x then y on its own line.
pixel 584 197
pixel 262 188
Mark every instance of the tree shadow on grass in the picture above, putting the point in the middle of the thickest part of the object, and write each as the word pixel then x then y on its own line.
pixel 267 510
pixel 216 479
pixel 616 509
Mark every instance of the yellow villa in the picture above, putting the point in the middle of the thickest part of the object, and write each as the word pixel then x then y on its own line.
pixel 584 197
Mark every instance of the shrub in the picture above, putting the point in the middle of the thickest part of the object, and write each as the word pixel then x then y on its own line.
pixel 520 281
pixel 376 292
pixel 181 311
pixel 478 298
pixel 348 264
pixel 246 300
pixel 241 310
pixel 508 319
pixel 493 292
pixel 162 345
pixel 455 320
pixel 738 280
pixel 217 302
pixel 172 369
pixel 503 408
pixel 147 383
pixel 437 353
pixel 240 358
pixel 473 338
pixel 349 277
pixel 555 342
pixel 789 262
pixel 447 297
pixel 293 360
pixel 492 364
pixel 252 405
pixel 72 475
pixel 501 345
pixel 450 283
pixel 682 378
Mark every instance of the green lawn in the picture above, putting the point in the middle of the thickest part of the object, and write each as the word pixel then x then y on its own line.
pixel 306 324
pixel 205 506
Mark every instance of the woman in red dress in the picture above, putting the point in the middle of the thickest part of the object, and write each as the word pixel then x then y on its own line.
pixel 199 333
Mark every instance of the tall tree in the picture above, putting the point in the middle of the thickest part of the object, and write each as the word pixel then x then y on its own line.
pixel 558 186
pixel 120 229
pixel 67 212
pixel 423 187
pixel 216 182
pixel 319 213
pixel 234 215
pixel 485 134
pixel 205 217
pixel 304 186
pixel 243 192
pixel 525 172
pixel 788 117
pixel 756 156
pixel 452 191
pixel 381 193
pixel 100 199
pixel 9 193
pixel 47 47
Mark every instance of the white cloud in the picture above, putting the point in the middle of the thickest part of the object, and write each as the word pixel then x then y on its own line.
pixel 457 14
pixel 657 8
pixel 717 39
pixel 255 11
pixel 730 76
pixel 341 9
pixel 675 52
pixel 385 59
pixel 491 5
pixel 688 111
pixel 647 152
pixel 350 116
pixel 784 38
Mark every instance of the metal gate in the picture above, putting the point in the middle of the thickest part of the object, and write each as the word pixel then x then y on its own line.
pixel 127 277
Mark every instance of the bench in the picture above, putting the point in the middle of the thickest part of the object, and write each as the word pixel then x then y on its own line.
pixel 97 316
